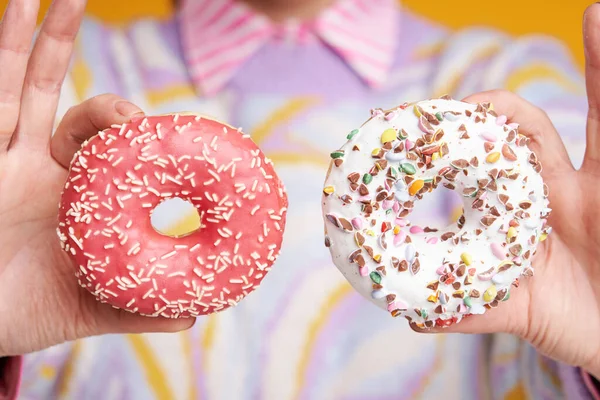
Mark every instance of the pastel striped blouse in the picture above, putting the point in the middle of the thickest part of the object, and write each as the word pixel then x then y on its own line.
pixel 298 89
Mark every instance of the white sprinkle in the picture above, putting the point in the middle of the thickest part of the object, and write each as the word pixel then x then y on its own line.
pixel 173 160
pixel 133 248
pixel 117 162
pixel 115 219
pixel 165 256
pixel 169 178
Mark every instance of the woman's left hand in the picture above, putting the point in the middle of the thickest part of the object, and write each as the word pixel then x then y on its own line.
pixel 558 310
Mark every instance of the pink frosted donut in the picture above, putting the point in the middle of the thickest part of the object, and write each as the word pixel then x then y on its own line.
pixel 118 178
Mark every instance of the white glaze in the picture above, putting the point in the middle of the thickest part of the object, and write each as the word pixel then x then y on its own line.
pixel 411 289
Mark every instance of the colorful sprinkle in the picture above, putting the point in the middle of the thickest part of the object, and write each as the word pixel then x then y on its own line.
pixel 439 116
pixel 498 251
pixel 490 294
pixel 357 223
pixel 493 157
pixel 486 275
pixel 416 187
pixel 375 277
pixel 352 134
pixel 401 222
pixel 389 135
pixel 432 240
pixel 417 112
pixel 408 169
pixel 511 233
pixel 328 190
pixel 468 302
pixel 337 154
pixel 416 229
pixel 390 115
pixel 488 136
pixel 391 156
pixel 367 178
pixel 466 258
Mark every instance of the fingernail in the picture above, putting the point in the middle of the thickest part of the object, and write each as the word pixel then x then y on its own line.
pixel 128 109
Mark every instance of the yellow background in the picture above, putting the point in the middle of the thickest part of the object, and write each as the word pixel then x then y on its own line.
pixel 560 18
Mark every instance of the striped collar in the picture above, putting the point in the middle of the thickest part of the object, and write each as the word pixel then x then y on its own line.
pixel 219 36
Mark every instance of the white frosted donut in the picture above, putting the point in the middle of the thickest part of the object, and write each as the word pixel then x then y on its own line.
pixel 435 277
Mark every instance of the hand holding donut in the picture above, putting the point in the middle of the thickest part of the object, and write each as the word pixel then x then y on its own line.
pixel 41 303
pixel 460 278
pixel 558 310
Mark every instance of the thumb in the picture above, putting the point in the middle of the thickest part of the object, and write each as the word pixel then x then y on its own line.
pixel 99 319
pixel 510 316
pixel 83 121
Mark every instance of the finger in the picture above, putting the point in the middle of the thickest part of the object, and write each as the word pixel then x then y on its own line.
pixel 16 34
pixel 509 317
pixel 111 320
pixel 46 71
pixel 86 120
pixel 591 39
pixel 97 318
pixel 533 123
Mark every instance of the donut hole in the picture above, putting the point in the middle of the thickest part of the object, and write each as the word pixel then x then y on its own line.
pixel 175 217
pixel 437 209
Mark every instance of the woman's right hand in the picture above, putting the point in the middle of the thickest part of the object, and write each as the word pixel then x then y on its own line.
pixel 41 303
